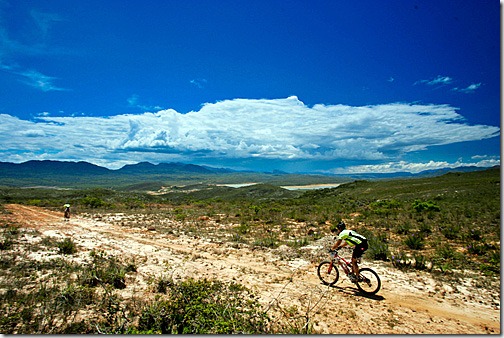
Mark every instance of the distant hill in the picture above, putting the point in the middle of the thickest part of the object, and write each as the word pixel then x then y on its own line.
pixel 43 168
pixel 163 168
pixel 425 173
pixel 47 167
pixel 135 176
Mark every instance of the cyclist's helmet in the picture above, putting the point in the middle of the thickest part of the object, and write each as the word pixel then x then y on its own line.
pixel 341 226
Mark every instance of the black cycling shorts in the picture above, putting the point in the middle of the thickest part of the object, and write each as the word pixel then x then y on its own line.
pixel 360 249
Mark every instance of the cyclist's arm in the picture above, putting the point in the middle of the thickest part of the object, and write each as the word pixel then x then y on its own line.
pixel 338 244
pixel 343 244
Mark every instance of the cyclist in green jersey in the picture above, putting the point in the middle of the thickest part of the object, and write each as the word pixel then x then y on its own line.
pixel 352 238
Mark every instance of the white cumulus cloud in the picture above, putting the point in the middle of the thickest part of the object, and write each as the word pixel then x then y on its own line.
pixel 266 129
pixel 403 166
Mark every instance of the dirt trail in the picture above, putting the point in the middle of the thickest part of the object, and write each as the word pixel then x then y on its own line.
pixel 407 303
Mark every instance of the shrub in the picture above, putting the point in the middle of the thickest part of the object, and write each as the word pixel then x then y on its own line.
pixel 43 309
pixel 180 217
pixel 6 243
pixel 403 229
pixel 238 238
pixel 445 257
pixel 36 202
pixel 73 297
pixel 66 247
pixel 479 249
pixel 12 231
pixel 204 307
pixel 475 234
pixel 425 228
pixel 378 245
pixel 414 241
pixel 492 264
pixel 9 235
pixel 401 261
pixel 105 270
pixel 445 252
pixel 420 206
pixel 93 202
pixel 243 228
pixel 267 242
pixel 163 284
pixel 450 231
pixel 385 207
pixel 420 262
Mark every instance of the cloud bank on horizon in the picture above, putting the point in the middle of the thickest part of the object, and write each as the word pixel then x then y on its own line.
pixel 231 133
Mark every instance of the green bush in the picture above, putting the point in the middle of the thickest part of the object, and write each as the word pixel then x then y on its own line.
pixel 450 231
pixel 415 241
pixel 425 228
pixel 74 296
pixel 474 234
pixel 36 202
pixel 402 262
pixel 267 242
pixel 9 236
pixel 243 228
pixel 105 270
pixel 93 202
pixel 377 245
pixel 420 206
pixel 445 252
pixel 12 231
pixel 403 228
pixel 492 263
pixel 479 249
pixel 6 243
pixel 420 262
pixel 385 207
pixel 66 247
pixel 204 307
pixel 162 285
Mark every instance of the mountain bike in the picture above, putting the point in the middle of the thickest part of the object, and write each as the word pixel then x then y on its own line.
pixel 368 280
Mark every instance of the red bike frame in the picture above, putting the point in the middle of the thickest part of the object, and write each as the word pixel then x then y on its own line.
pixel 345 265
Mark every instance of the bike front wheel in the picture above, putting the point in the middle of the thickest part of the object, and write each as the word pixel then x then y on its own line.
pixel 328 273
pixel 369 282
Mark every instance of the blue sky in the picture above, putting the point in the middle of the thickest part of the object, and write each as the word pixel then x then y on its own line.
pixel 320 86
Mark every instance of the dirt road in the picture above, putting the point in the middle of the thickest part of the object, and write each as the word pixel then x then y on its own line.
pixel 286 284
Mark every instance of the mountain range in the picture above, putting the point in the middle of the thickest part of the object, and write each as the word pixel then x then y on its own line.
pixel 48 167
pixel 50 172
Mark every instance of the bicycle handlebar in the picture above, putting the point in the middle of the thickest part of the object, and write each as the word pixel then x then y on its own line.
pixel 333 252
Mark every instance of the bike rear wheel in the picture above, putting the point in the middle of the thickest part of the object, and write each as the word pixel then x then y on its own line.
pixel 328 273
pixel 369 282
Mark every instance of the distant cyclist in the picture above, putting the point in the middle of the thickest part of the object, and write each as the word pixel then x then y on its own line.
pixel 352 238
pixel 67 212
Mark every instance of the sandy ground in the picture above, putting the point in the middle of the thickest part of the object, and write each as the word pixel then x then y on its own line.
pixel 288 286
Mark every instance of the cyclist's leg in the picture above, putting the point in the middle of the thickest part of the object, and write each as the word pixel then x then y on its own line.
pixel 355 256
pixel 357 253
